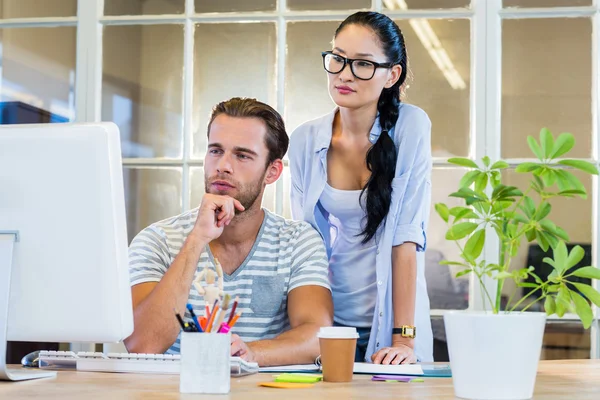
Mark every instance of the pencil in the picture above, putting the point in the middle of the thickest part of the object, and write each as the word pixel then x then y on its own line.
pixel 234 320
pixel 219 320
pixel 232 313
pixel 212 318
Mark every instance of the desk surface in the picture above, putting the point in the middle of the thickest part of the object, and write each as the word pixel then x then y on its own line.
pixel 573 379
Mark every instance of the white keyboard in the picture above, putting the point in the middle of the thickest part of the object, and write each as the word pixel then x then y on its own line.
pixel 127 362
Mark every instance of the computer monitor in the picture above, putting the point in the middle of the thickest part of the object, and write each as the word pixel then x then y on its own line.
pixel 63 237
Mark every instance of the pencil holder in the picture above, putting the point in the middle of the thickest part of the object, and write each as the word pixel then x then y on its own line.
pixel 205 363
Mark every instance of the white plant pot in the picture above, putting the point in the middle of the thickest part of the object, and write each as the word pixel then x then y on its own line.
pixel 494 357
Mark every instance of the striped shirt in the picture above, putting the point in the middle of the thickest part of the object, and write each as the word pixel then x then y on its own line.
pixel 286 255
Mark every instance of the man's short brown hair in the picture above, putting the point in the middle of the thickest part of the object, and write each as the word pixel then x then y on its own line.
pixel 276 139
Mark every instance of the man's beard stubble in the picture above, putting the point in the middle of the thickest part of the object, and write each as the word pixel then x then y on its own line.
pixel 246 194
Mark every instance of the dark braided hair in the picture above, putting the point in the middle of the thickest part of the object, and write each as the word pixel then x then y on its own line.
pixel 381 157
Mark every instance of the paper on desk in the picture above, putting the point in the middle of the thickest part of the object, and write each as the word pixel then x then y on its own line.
pixel 292 368
pixel 380 369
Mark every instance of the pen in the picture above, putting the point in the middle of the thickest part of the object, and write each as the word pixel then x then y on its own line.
pixel 191 309
pixel 179 319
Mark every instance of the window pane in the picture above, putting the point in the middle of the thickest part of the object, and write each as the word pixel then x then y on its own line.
pixel 565 340
pixel 444 289
pixel 546 3
pixel 424 4
pixel 196 186
pixel 204 6
pixel 327 4
pixel 441 88
pixel 151 195
pixel 231 60
pixel 142 96
pixel 306 94
pixel 542 86
pixel 148 7
pixel 38 75
pixel 441 80
pixel 574 215
pixel 37 8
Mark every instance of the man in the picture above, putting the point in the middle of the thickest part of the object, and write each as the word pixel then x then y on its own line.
pixel 278 268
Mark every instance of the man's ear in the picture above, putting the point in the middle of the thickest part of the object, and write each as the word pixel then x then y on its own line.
pixel 274 171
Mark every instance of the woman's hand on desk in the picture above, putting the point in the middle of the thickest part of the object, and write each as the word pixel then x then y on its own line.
pixel 239 348
pixel 398 353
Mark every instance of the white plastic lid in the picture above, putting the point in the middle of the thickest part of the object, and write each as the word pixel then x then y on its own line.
pixel 337 332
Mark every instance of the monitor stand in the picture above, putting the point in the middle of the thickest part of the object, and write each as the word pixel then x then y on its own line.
pixel 7 241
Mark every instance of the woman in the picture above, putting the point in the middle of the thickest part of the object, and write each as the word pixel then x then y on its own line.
pixel 361 177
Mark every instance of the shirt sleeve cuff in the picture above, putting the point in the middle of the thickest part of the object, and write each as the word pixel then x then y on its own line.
pixel 410 233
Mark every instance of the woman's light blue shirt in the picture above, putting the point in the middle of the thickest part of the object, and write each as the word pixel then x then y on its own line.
pixel 406 220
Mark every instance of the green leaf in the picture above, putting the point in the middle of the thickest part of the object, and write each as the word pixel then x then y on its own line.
pixel 475 244
pixel 527 167
pixel 563 301
pixel 461 230
pixel 481 182
pixel 550 305
pixel 560 257
pixel 499 165
pixel 539 182
pixel 528 284
pixel 583 309
pixel 548 226
pixel 496 178
pixel 486 161
pixel 588 272
pixel 528 207
pixel 576 255
pixel 581 165
pixel 446 262
pixel 572 193
pixel 454 211
pixel 542 211
pixel 535 147
pixel 572 181
pixel 542 240
pixel 589 292
pixel 548 175
pixel 530 235
pixel 503 275
pixel 547 142
pixel 549 261
pixel 564 143
pixel 469 178
pixel 468 213
pixel 463 272
pixel 560 232
pixel 463 162
pixel 443 211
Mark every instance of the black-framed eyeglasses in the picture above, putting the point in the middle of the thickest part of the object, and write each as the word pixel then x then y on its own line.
pixel 361 69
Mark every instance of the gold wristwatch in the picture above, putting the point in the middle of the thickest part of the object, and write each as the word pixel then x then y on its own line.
pixel 407 331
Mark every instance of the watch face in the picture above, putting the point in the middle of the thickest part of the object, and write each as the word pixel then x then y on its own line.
pixel 410 331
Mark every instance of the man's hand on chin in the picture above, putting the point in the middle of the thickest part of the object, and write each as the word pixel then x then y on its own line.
pixel 240 349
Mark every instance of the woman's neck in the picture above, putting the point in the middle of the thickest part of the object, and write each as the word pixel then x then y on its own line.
pixel 355 122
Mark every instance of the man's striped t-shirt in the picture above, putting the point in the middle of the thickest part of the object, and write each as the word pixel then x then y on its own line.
pixel 286 255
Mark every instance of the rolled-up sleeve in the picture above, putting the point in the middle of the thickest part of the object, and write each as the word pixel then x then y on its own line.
pixel 413 212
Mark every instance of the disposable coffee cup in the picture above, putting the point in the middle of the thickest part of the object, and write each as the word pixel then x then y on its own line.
pixel 338 346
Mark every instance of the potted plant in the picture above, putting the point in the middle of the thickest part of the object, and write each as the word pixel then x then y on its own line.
pixel 494 354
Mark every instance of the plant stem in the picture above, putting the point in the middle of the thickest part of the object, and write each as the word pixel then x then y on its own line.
pixel 533 302
pixel 503 262
pixel 525 298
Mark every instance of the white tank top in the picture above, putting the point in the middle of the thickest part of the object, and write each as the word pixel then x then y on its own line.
pixel 352 273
